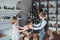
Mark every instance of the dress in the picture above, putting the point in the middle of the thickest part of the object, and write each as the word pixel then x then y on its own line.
pixel 15 34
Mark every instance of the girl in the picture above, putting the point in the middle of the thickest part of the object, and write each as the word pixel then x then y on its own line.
pixel 15 29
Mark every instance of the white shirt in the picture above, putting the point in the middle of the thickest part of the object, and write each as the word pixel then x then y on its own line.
pixel 42 25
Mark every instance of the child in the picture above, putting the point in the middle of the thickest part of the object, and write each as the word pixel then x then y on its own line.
pixel 15 29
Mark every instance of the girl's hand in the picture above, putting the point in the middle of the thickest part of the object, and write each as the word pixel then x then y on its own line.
pixel 26 27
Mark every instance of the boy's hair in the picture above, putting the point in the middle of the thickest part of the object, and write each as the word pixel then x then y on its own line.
pixel 42 14
pixel 14 18
pixel 41 10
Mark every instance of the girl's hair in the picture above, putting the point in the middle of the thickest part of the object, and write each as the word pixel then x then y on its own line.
pixel 14 18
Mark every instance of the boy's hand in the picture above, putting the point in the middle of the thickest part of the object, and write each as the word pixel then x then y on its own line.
pixel 30 27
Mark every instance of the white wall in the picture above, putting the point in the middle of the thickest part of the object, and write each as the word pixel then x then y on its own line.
pixel 26 4
pixel 8 3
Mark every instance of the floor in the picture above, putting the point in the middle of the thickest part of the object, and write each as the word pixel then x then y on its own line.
pixel 56 37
